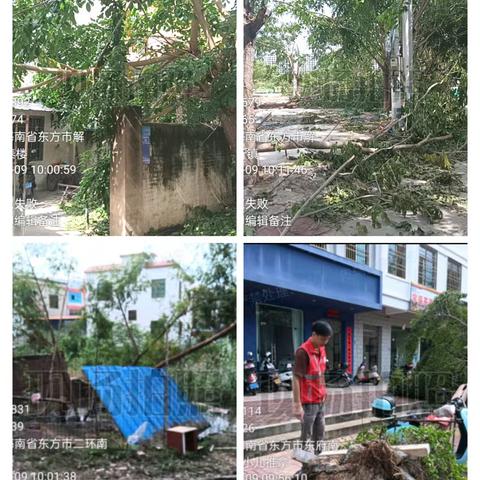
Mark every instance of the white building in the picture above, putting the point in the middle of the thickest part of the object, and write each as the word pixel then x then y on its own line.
pixel 412 276
pixel 164 290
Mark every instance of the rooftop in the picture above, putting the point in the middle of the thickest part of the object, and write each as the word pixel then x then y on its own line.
pixel 19 104
pixel 115 266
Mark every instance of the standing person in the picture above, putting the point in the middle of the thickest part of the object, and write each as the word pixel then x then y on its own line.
pixel 309 390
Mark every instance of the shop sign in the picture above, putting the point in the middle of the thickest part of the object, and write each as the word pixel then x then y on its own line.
pixel 349 341
pixel 421 298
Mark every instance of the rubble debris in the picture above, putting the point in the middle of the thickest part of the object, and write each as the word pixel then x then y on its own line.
pixel 376 460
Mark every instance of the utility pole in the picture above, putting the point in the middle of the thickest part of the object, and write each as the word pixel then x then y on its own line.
pixel 400 47
pixel 407 49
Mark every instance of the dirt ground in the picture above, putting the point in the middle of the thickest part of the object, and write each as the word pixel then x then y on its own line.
pixel 216 459
pixel 284 189
pixel 46 218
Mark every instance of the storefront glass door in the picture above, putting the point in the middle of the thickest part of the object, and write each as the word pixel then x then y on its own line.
pixel 280 331
pixel 371 345
pixel 334 346
pixel 398 347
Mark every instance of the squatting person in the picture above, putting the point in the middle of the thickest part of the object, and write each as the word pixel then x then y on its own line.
pixel 309 390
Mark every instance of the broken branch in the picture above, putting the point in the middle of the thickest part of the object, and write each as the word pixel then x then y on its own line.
pixel 317 192
pixel 36 85
pixel 198 346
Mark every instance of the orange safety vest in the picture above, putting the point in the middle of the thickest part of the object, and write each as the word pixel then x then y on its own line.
pixel 312 384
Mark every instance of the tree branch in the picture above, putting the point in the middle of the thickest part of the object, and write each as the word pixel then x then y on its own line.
pixel 36 85
pixel 198 12
pixel 163 332
pixel 316 193
pixel 198 346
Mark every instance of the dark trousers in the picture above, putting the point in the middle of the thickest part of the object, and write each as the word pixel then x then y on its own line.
pixel 313 426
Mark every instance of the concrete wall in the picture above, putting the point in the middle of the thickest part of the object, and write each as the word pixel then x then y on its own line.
pixel 188 167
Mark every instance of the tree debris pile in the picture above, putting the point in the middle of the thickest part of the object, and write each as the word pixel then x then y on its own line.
pixel 375 460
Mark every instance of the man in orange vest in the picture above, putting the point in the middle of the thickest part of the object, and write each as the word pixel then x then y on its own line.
pixel 309 390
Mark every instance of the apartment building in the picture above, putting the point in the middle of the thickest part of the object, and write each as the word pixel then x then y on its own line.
pixel 369 293
pixel 165 288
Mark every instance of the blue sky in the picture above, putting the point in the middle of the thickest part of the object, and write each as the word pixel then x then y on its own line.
pixel 99 251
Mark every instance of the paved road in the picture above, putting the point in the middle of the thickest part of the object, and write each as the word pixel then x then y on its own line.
pixel 43 217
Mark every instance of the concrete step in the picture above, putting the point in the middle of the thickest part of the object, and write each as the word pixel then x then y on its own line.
pixel 286 441
pixel 332 422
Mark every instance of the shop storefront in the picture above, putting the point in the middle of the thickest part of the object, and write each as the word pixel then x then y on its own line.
pixel 287 287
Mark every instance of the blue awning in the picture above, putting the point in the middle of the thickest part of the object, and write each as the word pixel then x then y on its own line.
pixel 312 273
pixel 135 395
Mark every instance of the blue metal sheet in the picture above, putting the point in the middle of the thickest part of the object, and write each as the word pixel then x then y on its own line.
pixel 134 395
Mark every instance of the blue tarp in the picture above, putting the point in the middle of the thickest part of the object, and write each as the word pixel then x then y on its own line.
pixel 134 395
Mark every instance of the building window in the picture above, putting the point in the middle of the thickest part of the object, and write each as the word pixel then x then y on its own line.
pixel 427 267
pixel 158 288
pixel 104 291
pixel 358 252
pixel 454 275
pixel 397 260
pixel 132 315
pixel 323 246
pixel 53 301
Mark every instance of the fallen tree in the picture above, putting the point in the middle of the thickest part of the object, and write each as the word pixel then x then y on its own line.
pixel 268 105
pixel 312 144
pixel 198 346
pixel 399 146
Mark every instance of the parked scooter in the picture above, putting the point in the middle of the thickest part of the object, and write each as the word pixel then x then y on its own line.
pixel 286 376
pixel 250 376
pixel 455 413
pixel 338 377
pixel 367 376
pixel 268 375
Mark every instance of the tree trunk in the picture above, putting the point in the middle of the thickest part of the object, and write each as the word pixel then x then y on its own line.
pixel 387 89
pixel 229 124
pixel 249 110
pixel 296 79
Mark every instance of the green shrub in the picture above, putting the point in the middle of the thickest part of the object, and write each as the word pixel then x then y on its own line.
pixel 441 463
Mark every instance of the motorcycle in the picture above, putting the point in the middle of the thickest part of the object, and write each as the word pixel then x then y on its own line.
pixel 452 414
pixel 268 375
pixel 338 377
pixel 286 376
pixel 367 376
pixel 250 375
